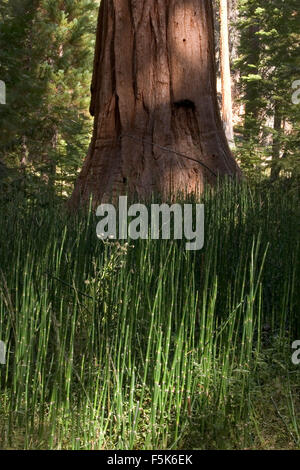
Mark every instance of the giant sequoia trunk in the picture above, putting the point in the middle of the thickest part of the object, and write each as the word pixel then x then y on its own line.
pixel 157 123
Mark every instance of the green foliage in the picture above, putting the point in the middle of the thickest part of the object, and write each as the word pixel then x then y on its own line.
pixel 46 52
pixel 269 64
pixel 143 344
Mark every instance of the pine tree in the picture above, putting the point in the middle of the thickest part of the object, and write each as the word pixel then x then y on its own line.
pixel 269 63
pixel 47 68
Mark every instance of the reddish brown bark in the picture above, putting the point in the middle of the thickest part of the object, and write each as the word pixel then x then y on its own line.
pixel 154 80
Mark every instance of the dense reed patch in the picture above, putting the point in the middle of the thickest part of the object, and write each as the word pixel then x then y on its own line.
pixel 143 344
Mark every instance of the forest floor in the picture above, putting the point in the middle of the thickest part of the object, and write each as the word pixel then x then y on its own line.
pixel 144 345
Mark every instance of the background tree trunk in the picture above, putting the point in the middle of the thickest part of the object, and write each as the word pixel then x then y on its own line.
pixel 226 74
pixel 154 92
pixel 252 94
pixel 275 166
